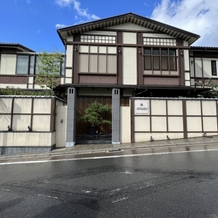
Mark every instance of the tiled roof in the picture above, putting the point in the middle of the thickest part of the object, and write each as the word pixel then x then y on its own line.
pixel 16 45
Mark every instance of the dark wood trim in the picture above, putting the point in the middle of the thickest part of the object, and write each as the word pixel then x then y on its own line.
pixel 31 118
pixel 140 67
pixel 217 114
pixel 150 116
pixel 75 64
pixel 160 75
pixel 194 72
pixel 181 67
pixel 119 58
pixel 13 79
pixel 185 136
pixel 127 45
pixel 132 120
pixel 202 70
pixel 202 117
pixel 96 74
pixel 167 116
pixel 12 110
pixel 52 115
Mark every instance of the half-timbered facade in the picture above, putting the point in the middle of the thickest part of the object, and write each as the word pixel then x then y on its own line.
pixel 113 59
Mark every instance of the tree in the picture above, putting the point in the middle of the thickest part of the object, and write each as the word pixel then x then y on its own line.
pixel 49 66
pixel 213 89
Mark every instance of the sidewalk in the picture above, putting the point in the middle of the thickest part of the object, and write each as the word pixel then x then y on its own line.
pixel 163 146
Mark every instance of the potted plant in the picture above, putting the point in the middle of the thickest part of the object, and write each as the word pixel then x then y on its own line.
pixel 95 115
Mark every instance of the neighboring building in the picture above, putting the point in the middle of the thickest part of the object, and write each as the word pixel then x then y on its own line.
pixel 113 59
pixel 18 66
pixel 203 61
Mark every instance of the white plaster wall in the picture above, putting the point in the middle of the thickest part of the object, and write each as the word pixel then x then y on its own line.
pixel 193 107
pixel 186 59
pixel 26 139
pixel 210 124
pixel 69 73
pixel 142 123
pixel 8 64
pixel 68 80
pixel 42 105
pixel 128 26
pixel 157 35
pixel 129 66
pixel 5 121
pixel 5 105
pixel 158 107
pixel 209 107
pixel 41 123
pixel 21 122
pixel 174 107
pixel 198 67
pixel 175 123
pixel 129 38
pixel 69 56
pixel 103 33
pixel 125 129
pixel 60 126
pixel 22 105
pixel 194 124
pixel 187 76
pixel 207 67
pixel 158 123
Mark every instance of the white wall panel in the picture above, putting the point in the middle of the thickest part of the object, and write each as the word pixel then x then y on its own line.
pixel 8 64
pixel 129 38
pixel 129 66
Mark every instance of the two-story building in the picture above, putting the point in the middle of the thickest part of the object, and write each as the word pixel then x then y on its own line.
pixel 113 59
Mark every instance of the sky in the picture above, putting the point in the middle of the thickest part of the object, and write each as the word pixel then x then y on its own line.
pixel 34 23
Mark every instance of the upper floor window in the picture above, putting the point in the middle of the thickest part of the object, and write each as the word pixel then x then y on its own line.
pixel 22 64
pixel 98 59
pixel 27 64
pixel 98 39
pixel 159 41
pixel 213 68
pixel 163 59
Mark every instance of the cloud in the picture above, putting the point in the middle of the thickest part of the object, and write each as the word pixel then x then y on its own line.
pixel 60 25
pixel 197 16
pixel 77 7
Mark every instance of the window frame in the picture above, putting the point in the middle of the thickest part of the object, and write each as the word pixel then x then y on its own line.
pixel 158 57
pixel 213 68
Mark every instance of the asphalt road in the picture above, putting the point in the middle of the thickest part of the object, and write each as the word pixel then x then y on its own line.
pixel 170 185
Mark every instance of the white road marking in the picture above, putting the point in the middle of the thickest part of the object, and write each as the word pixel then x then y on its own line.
pixel 103 157
pixel 47 196
pixel 119 199
pixel 87 192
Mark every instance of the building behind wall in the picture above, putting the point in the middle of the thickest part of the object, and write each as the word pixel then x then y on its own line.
pixel 127 54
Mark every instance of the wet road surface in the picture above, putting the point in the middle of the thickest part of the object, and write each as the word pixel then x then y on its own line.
pixel 170 185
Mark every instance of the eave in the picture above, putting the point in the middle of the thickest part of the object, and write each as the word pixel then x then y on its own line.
pixel 127 18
